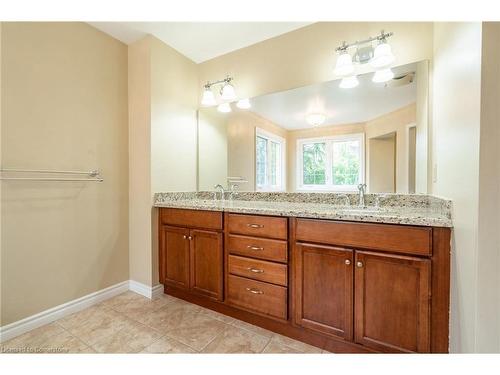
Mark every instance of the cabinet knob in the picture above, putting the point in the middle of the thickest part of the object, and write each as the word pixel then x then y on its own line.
pixel 190 238
pixel 255 226
pixel 185 237
pixel 359 264
pixel 254 291
pixel 254 247
pixel 255 270
pixel 347 261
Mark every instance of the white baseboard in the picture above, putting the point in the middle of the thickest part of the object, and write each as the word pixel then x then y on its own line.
pixel 48 316
pixel 145 290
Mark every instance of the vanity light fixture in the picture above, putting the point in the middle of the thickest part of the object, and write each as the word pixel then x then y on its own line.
pixel 227 91
pixel 316 119
pixel 380 58
pixel 383 75
pixel 208 99
pixel 243 104
pixel 224 108
pixel 349 82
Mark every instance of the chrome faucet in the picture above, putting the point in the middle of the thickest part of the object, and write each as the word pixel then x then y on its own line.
pixel 220 188
pixel 362 191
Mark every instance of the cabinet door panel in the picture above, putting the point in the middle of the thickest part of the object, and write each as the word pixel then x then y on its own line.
pixel 175 256
pixel 206 263
pixel 392 306
pixel 323 284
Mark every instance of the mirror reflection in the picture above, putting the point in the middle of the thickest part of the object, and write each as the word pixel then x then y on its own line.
pixel 322 138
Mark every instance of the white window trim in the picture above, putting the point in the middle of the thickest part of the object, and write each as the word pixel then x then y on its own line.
pixel 329 140
pixel 276 138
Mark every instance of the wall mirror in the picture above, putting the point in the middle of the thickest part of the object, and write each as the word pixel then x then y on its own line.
pixel 322 138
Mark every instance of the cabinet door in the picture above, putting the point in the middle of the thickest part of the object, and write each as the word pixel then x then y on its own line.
pixel 392 303
pixel 206 263
pixel 323 286
pixel 174 267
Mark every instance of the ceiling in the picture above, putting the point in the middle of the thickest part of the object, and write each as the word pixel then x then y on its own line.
pixel 199 41
pixel 369 100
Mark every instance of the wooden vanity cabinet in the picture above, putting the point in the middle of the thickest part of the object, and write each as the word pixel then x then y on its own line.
pixel 191 258
pixel 323 292
pixel 342 286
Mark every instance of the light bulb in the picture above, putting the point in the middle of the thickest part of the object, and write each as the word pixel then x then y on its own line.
pixel 224 108
pixel 243 104
pixel 316 119
pixel 208 98
pixel 349 82
pixel 344 66
pixel 227 92
pixel 383 75
pixel 382 56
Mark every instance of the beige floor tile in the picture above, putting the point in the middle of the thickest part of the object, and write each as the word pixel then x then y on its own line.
pixel 138 308
pixel 276 348
pixel 293 345
pixel 218 316
pixel 200 331
pixel 34 339
pixel 133 338
pixel 168 345
pixel 121 299
pixel 172 315
pixel 252 328
pixel 82 317
pixel 98 327
pixel 236 340
pixel 64 343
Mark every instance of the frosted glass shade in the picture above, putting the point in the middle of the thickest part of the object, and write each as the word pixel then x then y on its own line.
pixel 344 66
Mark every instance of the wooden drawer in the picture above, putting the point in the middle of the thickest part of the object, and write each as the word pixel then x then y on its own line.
pixel 262 270
pixel 191 218
pixel 393 238
pixel 261 248
pixel 259 226
pixel 257 296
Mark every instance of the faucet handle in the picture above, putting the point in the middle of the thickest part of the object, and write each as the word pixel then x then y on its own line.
pixel 362 187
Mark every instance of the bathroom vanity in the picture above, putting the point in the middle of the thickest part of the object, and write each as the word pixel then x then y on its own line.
pixel 345 279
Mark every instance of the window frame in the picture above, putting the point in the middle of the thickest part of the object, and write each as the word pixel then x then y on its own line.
pixel 277 139
pixel 329 140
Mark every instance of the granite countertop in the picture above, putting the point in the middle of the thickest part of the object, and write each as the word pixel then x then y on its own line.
pixel 406 209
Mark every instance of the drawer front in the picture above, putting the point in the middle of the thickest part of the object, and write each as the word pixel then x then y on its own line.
pixel 259 226
pixel 270 272
pixel 257 296
pixel 388 237
pixel 191 218
pixel 260 248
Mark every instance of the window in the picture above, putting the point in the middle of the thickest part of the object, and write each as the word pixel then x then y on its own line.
pixel 333 163
pixel 269 161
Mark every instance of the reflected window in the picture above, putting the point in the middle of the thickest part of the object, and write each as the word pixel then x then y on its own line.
pixel 331 163
pixel 269 161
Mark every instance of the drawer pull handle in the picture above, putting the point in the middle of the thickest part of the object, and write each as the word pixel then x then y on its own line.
pixel 347 261
pixel 254 247
pixel 359 264
pixel 255 270
pixel 255 225
pixel 254 291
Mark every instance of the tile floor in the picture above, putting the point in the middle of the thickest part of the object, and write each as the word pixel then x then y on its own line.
pixel 131 323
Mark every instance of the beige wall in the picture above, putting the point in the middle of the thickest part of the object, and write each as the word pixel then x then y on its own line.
pixel 241 127
pixel 139 158
pixel 323 131
pixel 64 106
pixel 398 122
pixel 309 54
pixel 163 152
pixel 456 129
pixel 382 173
pixel 488 298
pixel 212 149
